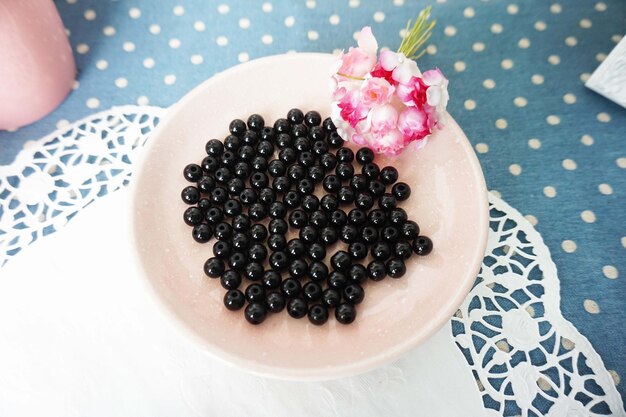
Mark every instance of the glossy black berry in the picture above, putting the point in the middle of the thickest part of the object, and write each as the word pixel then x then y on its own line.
pixel 223 231
pixel 357 217
pixel 234 299
pixel 359 182
pixel 237 127
pixel 190 195
pixel 295 248
pixel 338 218
pixel 228 158
pixel 277 226
pixel 268 133
pixel 209 164
pixel 277 210
pixel 292 199
pixel 299 131
pixel 201 233
pixel 267 196
pixel 317 133
pixel 376 270
pixel 340 261
pixel 265 149
pixel 369 234
pixel 310 203
pixel 219 195
pixel 305 186
pixel 331 297
pixel 357 250
pixel 230 280
pixel 204 204
pixel 346 195
pixel 241 223
pixel 192 172
pixel 277 168
pixel 296 172
pixel 258 233
pixel 291 287
pixel 275 302
pixel 297 308
pixel 331 183
pixel 344 170
pixel 387 202
pixel 401 191
pixel 328 236
pixel 396 268
pixel 214 267
pixel 248 196
pixel 259 163
pixel 282 126
pixel 254 271
pixel 371 171
pixel 271 280
pixel 410 230
pixel 319 148
pixel 364 201
pixel 250 138
pixel 348 233
pixel 317 251
pixel 398 217
pixel 308 235
pixel 257 212
pixel 232 208
pixel 242 170
pixel 259 180
pixel 237 261
pixel 256 313
pixel 255 293
pixel 276 243
pixel 232 143
pixel 318 314
pixel 256 122
pixel 284 141
pixel 214 147
pixel 318 219
pixel 377 218
pixel 298 219
pixel 312 118
pixel 381 251
pixel 345 313
pixel 316 174
pixel 364 156
pixel 328 162
pixel 337 280
pixel 388 175
pixel 257 252
pixel 329 203
pixel 279 261
pixel 193 216
pixel 235 186
pixel 334 140
pixel 344 155
pixel 318 271
pixel 240 242
pixel 402 250
pixel 376 188
pixel 281 184
pixel 214 215
pixel 246 153
pixel 328 125
pixel 295 116
pixel 422 245
pixel 353 293
pixel 357 273
pixel 312 291
pixel 390 234
pixel 221 249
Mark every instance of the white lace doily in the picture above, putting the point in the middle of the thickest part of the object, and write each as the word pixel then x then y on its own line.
pixel 526 358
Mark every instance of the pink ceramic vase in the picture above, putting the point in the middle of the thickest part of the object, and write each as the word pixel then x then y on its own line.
pixel 36 64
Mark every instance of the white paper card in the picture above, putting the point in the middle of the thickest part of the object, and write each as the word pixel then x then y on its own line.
pixel 609 79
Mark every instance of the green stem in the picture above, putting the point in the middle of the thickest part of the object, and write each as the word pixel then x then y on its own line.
pixel 350 76
pixel 415 36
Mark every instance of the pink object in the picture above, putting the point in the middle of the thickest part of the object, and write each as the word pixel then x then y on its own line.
pixel 36 67
pixel 449 201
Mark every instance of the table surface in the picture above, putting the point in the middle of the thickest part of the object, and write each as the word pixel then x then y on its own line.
pixel 550 147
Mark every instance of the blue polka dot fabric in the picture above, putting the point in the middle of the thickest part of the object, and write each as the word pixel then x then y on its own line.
pixel 550 147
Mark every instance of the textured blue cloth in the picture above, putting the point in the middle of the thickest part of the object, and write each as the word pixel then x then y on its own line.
pixel 553 149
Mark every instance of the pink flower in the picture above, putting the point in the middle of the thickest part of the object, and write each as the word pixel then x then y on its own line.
pixel 437 95
pixel 357 62
pixel 413 93
pixel 376 91
pixel 352 108
pixel 391 143
pixel 413 123
pixel 402 68
pixel 383 119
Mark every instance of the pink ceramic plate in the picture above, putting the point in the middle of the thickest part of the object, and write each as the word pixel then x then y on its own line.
pixel 449 201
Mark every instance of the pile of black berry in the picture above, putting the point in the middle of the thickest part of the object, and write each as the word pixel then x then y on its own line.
pixel 253 202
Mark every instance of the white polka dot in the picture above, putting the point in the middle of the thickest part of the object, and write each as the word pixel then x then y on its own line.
pixel 549 191
pixel 482 148
pixel 449 31
pixel 121 82
pixel 337 51
pixel 267 39
pixel 603 117
pixel 310 4
pixel 591 307
pixel 128 46
pixel 554 59
pixel 496 193
pixel 569 164
pixel 244 23
pixel 507 64
pixel 621 162
pixel 431 49
pixel 469 12
pixel 174 43
pixel 489 84
pixel 89 14
pixel 223 8
pixel 534 143
pixel 102 64
pixel 615 376
pixel 478 46
pixel 71 1
pixel 469 104
pixel 512 9
pixel 155 29
pixel 148 63
pixel 82 48
pixel 523 43
pixel 169 79
pixel 585 23
pixel 93 103
pixel 616 38
pixel 354 3
pixel 108 31
pixel 600 6
pixel 600 57
pixel 586 140
pixel 520 101
pixel 531 219
pixel 537 79
pixel 553 120
pixel 312 35
pixel 289 21
pixel 588 216
pixel 196 59
pixel 243 57
pixel 62 123
pixel 379 17
pixel 75 85
pixel 501 123
pixel 515 169
pixel 540 25
pixel 178 10
pixel 569 246
pixel 555 8
pixel 605 189
pixel 221 40
pixel 134 13
pixel 569 98
pixel 584 76
pixel 571 41
pixel 334 20
pixel 567 344
pixel 267 7
pixel 142 100
pixel 496 28
pixel 459 66
pixel 398 2
pixel 68 33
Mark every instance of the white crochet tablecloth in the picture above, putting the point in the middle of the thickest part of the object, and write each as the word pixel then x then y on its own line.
pixel 80 337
